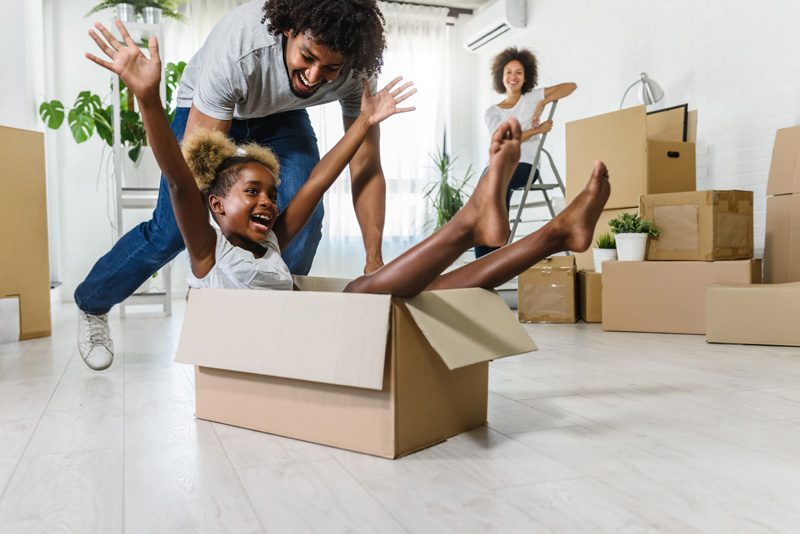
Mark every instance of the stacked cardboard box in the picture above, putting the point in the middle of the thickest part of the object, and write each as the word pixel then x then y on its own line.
pixel 782 239
pixel 24 260
pixel 710 233
pixel 367 373
pixel 754 314
pixel 590 291
pixel 644 154
pixel 546 292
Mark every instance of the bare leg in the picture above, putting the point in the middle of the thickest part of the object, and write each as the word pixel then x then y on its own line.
pixel 571 230
pixel 482 221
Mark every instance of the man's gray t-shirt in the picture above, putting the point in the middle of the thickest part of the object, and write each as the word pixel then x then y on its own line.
pixel 240 73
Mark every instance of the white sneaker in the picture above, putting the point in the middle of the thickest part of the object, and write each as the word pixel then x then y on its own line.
pixel 94 340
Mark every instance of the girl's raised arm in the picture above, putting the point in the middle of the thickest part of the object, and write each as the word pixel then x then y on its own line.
pixel 142 75
pixel 374 109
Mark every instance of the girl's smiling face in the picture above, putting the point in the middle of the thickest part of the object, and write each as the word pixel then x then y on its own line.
pixel 250 207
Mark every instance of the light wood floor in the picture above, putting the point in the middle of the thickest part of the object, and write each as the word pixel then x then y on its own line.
pixel 596 432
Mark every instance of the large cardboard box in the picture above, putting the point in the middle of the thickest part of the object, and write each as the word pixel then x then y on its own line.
pixel 700 225
pixel 637 164
pixel 782 240
pixel 784 169
pixel 546 292
pixel 24 260
pixel 666 296
pixel 584 260
pixel 754 314
pixel 590 291
pixel 367 373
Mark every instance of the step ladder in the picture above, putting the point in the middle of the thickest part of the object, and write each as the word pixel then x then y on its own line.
pixel 538 185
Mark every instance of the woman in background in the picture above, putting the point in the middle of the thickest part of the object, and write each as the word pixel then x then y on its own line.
pixel 515 74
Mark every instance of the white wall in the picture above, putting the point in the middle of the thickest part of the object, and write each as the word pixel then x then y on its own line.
pixel 735 61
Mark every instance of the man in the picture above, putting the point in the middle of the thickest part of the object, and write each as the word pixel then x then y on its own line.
pixel 260 67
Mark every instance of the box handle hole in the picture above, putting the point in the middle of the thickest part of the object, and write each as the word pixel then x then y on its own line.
pixel 673 154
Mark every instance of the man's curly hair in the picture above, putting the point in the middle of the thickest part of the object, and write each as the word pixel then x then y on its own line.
pixel 529 64
pixel 353 28
pixel 215 160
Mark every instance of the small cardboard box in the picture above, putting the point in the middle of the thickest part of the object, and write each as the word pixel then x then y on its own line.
pixel 782 240
pixel 666 296
pixel 784 170
pixel 546 292
pixel 754 314
pixel 700 225
pixel 585 260
pixel 590 291
pixel 637 165
pixel 24 256
pixel 367 373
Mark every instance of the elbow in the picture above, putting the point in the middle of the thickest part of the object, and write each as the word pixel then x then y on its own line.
pixel 570 88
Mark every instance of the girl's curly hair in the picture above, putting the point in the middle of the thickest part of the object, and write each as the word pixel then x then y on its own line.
pixel 354 28
pixel 215 160
pixel 529 64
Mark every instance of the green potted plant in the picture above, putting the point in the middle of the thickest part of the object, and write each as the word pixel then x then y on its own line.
pixel 631 233
pixel 89 116
pixel 446 194
pixel 605 250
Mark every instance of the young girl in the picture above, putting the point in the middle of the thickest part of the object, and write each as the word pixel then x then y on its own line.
pixel 238 185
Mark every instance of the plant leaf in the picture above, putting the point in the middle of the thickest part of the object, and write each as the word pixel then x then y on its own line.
pixel 87 102
pixel 102 122
pixel 52 113
pixel 81 125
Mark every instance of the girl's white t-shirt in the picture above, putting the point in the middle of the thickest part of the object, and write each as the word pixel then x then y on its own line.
pixel 237 268
pixel 522 111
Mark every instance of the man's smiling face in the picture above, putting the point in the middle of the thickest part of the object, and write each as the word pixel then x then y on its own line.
pixel 309 64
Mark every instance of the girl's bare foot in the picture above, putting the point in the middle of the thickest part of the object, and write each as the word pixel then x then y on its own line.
pixel 574 227
pixel 486 210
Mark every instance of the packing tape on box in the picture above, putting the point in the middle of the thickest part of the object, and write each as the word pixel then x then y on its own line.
pixel 683 221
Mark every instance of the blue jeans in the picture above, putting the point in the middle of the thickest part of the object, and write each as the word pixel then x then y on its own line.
pixel 152 244
pixel 518 181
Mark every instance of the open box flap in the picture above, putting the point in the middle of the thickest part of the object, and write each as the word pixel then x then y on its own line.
pixel 468 326
pixel 320 283
pixel 324 337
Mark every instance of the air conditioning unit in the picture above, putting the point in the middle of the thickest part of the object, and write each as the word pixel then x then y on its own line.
pixel 492 21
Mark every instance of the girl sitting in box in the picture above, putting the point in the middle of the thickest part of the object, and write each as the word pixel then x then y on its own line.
pixel 238 185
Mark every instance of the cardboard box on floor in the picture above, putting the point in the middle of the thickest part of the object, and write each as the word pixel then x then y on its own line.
pixel 666 296
pixel 584 260
pixel 637 164
pixel 754 314
pixel 782 236
pixel 24 259
pixel 367 373
pixel 546 292
pixel 782 239
pixel 700 225
pixel 590 293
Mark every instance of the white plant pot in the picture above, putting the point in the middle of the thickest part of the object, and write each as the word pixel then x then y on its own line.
pixel 143 173
pixel 602 254
pixel 126 12
pixel 631 247
pixel 151 15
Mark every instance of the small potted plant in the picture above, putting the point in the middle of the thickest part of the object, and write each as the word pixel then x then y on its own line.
pixel 631 234
pixel 446 193
pixel 605 250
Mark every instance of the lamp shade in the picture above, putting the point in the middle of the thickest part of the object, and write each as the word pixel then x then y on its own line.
pixel 649 90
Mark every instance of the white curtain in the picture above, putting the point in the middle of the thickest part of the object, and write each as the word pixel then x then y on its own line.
pixel 417 49
pixel 184 39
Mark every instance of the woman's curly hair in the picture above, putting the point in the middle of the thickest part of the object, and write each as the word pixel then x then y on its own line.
pixel 215 160
pixel 353 28
pixel 529 64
